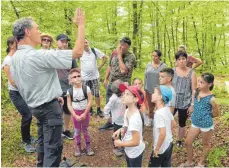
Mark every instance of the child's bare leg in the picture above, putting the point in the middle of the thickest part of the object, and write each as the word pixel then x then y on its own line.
pixel 206 136
pixel 192 135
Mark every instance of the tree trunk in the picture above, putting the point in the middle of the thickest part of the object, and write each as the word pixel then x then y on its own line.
pixel 15 10
pixel 157 28
pixel 140 33
pixel 135 28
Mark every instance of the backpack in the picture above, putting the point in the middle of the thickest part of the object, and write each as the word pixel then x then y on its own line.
pixel 84 87
pixel 93 50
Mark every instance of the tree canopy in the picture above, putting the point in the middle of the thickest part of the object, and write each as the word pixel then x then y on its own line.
pixel 200 25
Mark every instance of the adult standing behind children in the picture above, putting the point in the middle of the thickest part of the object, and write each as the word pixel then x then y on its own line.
pixel 46 41
pixel 16 98
pixel 192 62
pixel 90 71
pixel 151 79
pixel 121 66
pixel 34 73
pixel 184 83
pixel 62 43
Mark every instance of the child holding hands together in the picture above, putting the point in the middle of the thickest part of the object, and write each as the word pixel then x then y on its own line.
pixel 133 126
pixel 79 100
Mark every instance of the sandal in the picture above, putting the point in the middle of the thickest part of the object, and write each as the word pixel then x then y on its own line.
pixel 187 164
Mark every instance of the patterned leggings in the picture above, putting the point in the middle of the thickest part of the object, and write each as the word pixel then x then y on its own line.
pixel 81 126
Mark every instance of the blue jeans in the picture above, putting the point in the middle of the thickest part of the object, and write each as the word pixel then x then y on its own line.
pixel 23 109
pixel 134 162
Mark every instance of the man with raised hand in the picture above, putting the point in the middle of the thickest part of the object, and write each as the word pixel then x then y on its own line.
pixel 34 73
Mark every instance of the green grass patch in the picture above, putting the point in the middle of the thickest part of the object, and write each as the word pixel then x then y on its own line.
pixel 215 155
pixel 11 148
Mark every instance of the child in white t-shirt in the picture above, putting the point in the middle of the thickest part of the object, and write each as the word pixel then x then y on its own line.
pixel 117 109
pixel 163 125
pixel 79 100
pixel 132 129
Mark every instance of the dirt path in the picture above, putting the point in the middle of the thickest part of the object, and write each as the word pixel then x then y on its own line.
pixel 104 157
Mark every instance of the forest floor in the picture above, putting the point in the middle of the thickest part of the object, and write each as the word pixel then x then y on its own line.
pixel 102 145
pixel 12 155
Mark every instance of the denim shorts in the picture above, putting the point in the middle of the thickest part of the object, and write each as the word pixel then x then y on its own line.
pixel 204 129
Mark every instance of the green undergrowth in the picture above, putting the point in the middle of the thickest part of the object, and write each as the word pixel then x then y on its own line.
pixel 216 155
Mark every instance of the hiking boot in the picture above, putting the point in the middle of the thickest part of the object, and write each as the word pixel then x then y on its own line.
pixel 77 152
pixel 117 152
pixel 28 147
pixel 107 126
pixel 100 113
pixel 90 152
pixel 67 134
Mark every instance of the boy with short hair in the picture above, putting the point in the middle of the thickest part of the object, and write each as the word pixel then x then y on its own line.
pixel 166 77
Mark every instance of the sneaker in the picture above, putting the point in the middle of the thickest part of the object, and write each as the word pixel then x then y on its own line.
pixel 67 134
pixel 179 144
pixel 28 147
pixel 33 140
pixel 90 152
pixel 77 152
pixel 100 113
pixel 117 152
pixel 107 126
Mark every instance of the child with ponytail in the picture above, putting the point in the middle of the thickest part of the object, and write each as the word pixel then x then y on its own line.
pixel 131 133
pixel 205 108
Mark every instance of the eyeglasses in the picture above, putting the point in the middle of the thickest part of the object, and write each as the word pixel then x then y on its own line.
pixel 45 39
pixel 76 76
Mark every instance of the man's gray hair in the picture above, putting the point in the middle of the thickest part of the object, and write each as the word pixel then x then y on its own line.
pixel 20 26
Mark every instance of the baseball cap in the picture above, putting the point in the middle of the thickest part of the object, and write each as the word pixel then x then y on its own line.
pixel 126 40
pixel 166 93
pixel 134 90
pixel 62 37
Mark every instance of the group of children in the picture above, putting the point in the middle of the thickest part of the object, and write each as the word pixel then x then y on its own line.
pixel 128 109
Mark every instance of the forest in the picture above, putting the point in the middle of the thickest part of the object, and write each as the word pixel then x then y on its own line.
pixel 202 26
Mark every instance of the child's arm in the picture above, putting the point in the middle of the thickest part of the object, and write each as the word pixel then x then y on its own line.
pixel 194 85
pixel 215 107
pixel 70 108
pixel 88 108
pixel 108 107
pixel 161 138
pixel 133 142
pixel 117 133
pixel 172 109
